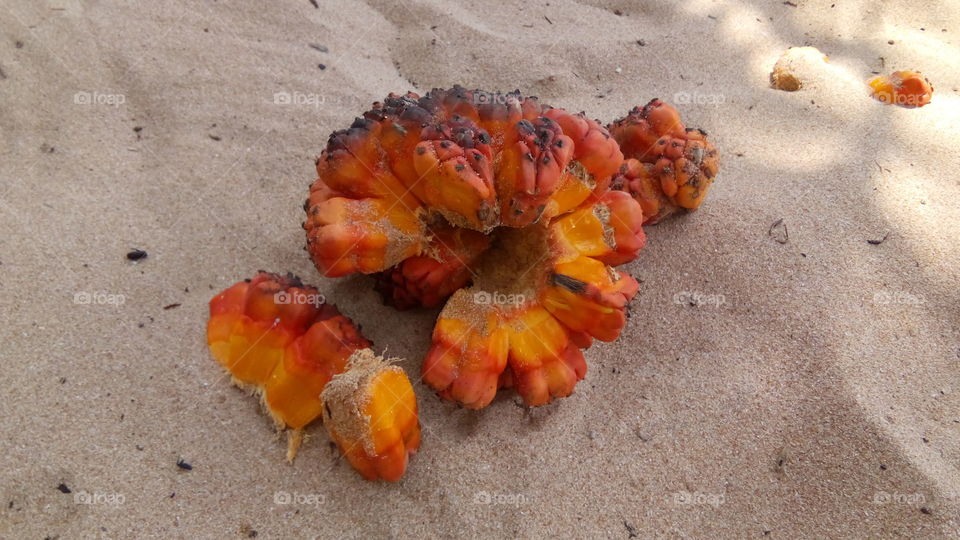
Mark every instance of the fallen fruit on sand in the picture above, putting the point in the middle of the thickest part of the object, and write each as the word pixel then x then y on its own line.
pixel 502 207
pixel 670 166
pixel 793 65
pixel 905 88
pixel 279 337
pixel 371 412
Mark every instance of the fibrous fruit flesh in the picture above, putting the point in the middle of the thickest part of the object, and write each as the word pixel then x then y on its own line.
pixel 370 411
pixel 279 337
pixel 503 208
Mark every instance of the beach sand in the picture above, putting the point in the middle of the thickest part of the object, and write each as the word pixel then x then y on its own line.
pixel 773 381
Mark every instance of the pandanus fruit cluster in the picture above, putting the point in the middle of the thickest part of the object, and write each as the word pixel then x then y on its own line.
pixel 502 208
pixel 510 213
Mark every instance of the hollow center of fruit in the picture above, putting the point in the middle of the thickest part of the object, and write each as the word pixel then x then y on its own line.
pixel 509 274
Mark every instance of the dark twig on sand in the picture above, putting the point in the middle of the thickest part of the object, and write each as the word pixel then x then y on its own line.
pixel 878 242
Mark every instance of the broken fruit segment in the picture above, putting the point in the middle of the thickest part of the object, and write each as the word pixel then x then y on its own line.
pixel 252 323
pixel 277 336
pixel 669 166
pixel 905 88
pixel 797 66
pixel 371 412
pixel 505 213
pixel 309 362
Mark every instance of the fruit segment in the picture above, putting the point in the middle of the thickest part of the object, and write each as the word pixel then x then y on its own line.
pixel 674 165
pixel 535 155
pixel 292 393
pixel 371 412
pixel 359 235
pixel 252 323
pixel 278 336
pixel 599 154
pixel 455 173
pixel 589 297
pixel 544 364
pixel 610 230
pixel 469 352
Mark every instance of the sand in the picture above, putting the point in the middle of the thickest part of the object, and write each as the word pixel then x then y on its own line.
pixel 793 382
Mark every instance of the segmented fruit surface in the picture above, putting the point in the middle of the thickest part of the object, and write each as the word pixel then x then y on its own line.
pixel 502 208
pixel 670 167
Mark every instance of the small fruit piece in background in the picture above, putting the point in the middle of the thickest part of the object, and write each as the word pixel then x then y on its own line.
pixel 904 88
pixel 794 66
